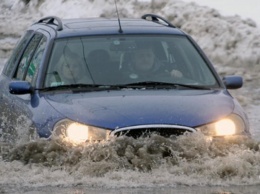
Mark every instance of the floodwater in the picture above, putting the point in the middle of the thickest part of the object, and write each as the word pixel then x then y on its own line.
pixel 187 164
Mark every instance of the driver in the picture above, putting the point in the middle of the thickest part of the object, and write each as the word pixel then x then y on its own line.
pixel 144 64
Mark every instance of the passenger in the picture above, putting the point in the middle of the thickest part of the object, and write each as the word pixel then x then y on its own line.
pixel 145 64
pixel 72 70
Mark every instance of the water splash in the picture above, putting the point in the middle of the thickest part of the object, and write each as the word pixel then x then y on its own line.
pixel 186 160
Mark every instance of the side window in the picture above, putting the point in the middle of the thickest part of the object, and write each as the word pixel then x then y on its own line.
pixel 36 61
pixel 25 60
pixel 10 65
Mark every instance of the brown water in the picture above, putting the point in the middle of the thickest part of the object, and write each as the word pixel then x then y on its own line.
pixel 187 164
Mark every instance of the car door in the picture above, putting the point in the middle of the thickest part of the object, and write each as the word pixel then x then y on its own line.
pixel 17 117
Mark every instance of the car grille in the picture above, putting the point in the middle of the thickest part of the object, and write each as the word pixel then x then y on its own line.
pixel 147 130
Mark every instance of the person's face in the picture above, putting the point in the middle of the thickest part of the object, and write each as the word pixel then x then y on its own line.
pixel 143 59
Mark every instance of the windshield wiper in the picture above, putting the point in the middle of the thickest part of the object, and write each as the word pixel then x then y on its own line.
pixel 199 87
pixel 77 86
pixel 161 85
pixel 137 85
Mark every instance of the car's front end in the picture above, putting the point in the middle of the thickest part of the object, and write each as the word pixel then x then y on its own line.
pixel 98 116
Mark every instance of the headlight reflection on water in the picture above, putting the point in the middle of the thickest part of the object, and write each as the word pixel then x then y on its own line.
pixel 78 133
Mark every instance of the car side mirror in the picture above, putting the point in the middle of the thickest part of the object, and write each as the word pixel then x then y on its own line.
pixel 233 81
pixel 20 87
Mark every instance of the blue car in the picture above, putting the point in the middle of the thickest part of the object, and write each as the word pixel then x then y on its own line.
pixel 90 79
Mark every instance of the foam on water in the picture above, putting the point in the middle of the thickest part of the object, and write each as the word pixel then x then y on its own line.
pixel 126 162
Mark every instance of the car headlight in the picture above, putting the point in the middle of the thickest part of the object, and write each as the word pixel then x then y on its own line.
pixel 231 125
pixel 78 133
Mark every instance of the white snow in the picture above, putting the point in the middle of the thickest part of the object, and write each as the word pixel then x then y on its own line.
pixel 244 8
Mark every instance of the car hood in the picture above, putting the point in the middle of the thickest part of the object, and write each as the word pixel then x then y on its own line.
pixel 116 109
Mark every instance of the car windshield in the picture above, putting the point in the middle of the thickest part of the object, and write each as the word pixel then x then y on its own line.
pixel 125 60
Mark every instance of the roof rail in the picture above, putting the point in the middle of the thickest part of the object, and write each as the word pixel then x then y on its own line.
pixel 50 20
pixel 157 19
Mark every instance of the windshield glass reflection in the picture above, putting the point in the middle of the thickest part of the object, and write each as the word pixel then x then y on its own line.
pixel 118 60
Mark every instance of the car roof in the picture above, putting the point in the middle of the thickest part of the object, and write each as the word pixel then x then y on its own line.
pixel 105 26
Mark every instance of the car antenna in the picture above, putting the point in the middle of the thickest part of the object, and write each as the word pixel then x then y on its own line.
pixel 120 28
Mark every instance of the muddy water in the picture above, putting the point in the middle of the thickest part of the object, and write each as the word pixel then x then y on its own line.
pixel 187 164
